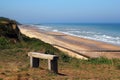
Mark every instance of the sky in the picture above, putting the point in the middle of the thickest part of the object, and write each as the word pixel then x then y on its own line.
pixel 61 11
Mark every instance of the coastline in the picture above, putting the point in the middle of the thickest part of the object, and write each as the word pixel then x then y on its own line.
pixel 72 45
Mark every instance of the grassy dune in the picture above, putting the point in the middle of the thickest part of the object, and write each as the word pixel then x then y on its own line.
pixel 14 63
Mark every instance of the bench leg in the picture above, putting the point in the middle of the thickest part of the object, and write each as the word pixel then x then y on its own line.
pixel 34 62
pixel 53 65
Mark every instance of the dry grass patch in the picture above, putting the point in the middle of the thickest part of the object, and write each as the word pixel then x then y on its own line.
pixel 14 64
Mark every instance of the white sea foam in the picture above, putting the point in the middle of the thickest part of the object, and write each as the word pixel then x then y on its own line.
pixel 96 36
pixel 88 34
pixel 44 27
pixel 55 30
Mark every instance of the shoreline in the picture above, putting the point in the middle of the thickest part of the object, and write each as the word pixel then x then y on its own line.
pixel 74 46
pixel 95 40
pixel 93 33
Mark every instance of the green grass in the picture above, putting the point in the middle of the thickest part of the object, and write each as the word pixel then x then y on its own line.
pixel 4 43
pixel 31 44
pixel 65 57
pixel 101 60
pixel 15 59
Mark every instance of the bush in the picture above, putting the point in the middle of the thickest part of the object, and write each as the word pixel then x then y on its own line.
pixel 49 52
pixel 65 58
pixel 4 43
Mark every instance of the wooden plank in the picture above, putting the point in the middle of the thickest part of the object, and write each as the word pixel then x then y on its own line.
pixel 41 55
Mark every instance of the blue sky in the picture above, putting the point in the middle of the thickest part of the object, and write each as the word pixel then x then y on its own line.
pixel 61 11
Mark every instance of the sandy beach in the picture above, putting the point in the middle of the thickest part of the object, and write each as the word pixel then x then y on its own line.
pixel 72 45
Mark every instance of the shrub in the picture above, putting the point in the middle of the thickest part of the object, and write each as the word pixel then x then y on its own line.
pixel 49 52
pixel 4 43
pixel 65 58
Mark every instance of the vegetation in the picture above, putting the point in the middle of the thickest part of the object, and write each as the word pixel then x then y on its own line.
pixel 8 20
pixel 14 63
pixel 4 43
pixel 4 19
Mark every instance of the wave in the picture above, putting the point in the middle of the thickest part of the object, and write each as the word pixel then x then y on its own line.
pixel 84 33
pixel 55 30
pixel 43 27
pixel 103 38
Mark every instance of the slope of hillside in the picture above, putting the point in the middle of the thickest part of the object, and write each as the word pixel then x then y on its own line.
pixel 14 63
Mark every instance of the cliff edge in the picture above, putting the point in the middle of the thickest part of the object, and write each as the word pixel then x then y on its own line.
pixel 9 29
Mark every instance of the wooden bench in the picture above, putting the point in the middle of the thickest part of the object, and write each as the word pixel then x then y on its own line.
pixel 52 60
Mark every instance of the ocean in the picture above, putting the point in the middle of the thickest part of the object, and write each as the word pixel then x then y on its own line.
pixel 109 33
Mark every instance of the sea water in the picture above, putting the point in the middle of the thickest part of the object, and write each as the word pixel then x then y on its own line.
pixel 109 33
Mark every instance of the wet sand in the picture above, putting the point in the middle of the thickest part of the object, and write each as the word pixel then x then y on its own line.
pixel 72 45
